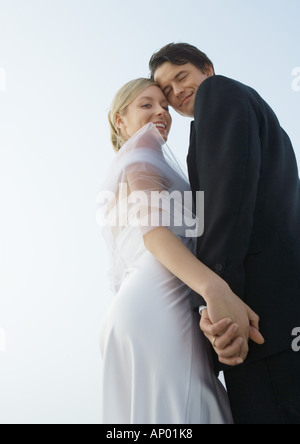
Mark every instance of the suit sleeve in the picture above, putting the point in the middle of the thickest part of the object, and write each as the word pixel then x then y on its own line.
pixel 228 159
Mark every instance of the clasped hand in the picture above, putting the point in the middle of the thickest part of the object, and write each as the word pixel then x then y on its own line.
pixel 229 324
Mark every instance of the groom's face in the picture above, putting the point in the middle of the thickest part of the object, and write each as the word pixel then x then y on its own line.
pixel 180 85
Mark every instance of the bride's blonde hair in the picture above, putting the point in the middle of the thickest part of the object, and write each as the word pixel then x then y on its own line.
pixel 119 105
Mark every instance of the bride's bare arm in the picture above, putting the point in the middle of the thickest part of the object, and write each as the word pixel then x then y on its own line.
pixel 147 174
pixel 222 303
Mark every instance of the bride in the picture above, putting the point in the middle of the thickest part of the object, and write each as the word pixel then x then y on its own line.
pixel 157 366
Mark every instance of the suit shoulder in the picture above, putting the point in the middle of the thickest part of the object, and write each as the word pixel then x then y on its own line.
pixel 220 93
pixel 218 90
pixel 221 84
pixel 222 80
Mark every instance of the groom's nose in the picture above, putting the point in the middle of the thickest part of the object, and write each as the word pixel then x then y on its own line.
pixel 178 90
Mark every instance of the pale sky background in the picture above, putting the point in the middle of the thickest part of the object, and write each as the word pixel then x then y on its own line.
pixel 61 62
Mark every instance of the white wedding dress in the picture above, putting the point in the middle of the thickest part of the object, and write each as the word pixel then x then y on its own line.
pixel 157 366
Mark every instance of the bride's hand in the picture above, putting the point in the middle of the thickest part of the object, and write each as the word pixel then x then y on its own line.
pixel 223 337
pixel 230 343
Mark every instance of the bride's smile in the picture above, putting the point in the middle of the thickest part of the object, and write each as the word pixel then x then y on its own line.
pixel 149 106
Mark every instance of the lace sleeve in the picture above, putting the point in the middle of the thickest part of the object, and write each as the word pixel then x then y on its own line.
pixel 148 188
pixel 145 188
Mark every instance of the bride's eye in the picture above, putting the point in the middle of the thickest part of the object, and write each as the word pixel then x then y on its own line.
pixel 146 106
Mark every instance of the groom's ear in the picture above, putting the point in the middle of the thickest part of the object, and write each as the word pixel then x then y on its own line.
pixel 209 71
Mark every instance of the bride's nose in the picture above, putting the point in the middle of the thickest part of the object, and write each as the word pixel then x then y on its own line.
pixel 160 111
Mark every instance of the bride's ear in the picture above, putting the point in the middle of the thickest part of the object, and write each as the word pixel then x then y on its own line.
pixel 119 122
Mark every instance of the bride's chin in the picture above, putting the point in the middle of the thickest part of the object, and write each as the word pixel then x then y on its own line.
pixel 165 136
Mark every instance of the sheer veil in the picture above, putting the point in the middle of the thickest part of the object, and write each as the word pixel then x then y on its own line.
pixel 145 188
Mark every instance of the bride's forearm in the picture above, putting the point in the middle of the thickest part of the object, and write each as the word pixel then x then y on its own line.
pixel 222 303
pixel 179 260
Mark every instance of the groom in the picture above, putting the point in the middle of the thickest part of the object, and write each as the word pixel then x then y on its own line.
pixel 245 164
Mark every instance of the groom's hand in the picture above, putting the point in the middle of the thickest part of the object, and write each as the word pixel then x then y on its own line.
pixel 222 303
pixel 224 337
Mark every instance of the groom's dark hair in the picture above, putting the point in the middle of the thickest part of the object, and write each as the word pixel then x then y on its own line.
pixel 180 54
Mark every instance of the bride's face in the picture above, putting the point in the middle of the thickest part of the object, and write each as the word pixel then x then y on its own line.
pixel 149 106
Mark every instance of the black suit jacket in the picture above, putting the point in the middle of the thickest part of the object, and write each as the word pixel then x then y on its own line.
pixel 245 164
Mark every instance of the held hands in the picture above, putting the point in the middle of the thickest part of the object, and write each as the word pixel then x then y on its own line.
pixel 228 323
